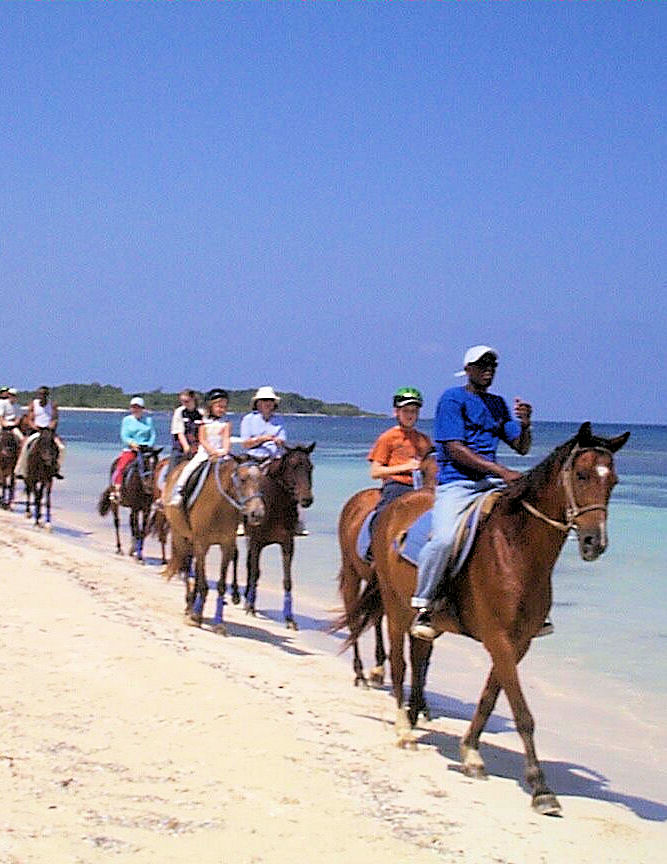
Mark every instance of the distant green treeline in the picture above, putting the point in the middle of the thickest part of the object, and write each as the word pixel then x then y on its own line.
pixel 106 396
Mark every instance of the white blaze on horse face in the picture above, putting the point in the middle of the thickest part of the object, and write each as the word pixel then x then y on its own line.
pixel 602 470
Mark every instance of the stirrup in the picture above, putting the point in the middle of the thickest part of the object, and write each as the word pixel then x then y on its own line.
pixel 422 627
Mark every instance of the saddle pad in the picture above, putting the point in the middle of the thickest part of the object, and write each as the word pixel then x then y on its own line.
pixel 162 476
pixel 195 483
pixel 364 538
pixel 466 531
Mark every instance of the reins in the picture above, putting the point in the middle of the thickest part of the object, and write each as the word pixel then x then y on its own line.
pixel 572 510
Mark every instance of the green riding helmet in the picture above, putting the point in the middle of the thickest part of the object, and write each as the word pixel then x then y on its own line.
pixel 407 396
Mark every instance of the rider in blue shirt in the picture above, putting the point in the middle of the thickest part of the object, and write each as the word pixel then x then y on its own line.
pixel 469 424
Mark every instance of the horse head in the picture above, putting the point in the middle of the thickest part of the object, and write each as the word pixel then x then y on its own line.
pixel 147 459
pixel 588 477
pixel 294 471
pixel 247 479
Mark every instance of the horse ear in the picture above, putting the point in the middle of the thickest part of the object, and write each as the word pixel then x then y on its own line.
pixel 310 447
pixel 616 443
pixel 585 433
pixel 157 450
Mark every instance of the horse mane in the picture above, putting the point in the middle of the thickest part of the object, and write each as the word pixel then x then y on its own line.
pixel 538 476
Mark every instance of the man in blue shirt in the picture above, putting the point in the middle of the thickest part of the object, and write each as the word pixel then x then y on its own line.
pixel 469 423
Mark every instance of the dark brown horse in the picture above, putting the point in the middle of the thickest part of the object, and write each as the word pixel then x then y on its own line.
pixel 355 571
pixel 9 452
pixel 286 485
pixel 136 492
pixel 503 593
pixel 41 468
pixel 231 491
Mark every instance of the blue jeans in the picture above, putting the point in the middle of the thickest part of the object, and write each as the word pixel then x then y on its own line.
pixel 451 500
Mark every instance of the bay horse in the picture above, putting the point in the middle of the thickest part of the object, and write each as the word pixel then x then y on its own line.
pixel 9 452
pixel 136 493
pixel 41 467
pixel 503 593
pixel 286 485
pixel 355 571
pixel 231 491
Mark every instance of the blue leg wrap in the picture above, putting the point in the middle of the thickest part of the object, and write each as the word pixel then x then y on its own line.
pixel 287 605
pixel 219 603
pixel 198 605
pixel 250 594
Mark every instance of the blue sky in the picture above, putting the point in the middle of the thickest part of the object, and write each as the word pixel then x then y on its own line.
pixel 337 198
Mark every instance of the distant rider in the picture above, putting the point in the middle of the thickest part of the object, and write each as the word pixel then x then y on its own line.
pixel 214 439
pixel 398 451
pixel 42 414
pixel 185 423
pixel 137 430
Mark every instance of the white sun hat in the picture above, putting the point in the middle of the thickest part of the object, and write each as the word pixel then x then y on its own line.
pixel 137 400
pixel 474 354
pixel 265 393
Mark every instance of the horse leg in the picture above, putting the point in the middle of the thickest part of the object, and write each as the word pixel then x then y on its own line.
pixel 116 522
pixel 236 597
pixel 133 531
pixel 404 736
pixel 349 588
pixel 505 661
pixel 473 764
pixel 288 617
pixel 420 655
pixel 376 675
pixel 252 566
pixel 201 586
pixel 218 624
pixel 47 504
pixel 141 534
pixel 39 488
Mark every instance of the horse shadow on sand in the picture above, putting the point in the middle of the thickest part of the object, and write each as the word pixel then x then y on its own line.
pixel 568 779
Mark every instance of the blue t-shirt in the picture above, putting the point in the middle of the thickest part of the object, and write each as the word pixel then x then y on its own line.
pixel 479 421
pixel 141 431
pixel 253 425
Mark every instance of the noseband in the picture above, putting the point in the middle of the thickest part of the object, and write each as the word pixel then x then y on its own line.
pixel 572 510
pixel 240 501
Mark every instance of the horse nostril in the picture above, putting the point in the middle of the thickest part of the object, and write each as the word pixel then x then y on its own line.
pixel 306 502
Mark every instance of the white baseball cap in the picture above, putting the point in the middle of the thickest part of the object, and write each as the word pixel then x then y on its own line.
pixel 137 400
pixel 474 354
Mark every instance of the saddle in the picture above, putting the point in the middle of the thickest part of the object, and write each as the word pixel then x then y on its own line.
pixel 410 544
pixel 194 484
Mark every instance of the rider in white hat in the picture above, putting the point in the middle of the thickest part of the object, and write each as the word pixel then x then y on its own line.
pixel 262 434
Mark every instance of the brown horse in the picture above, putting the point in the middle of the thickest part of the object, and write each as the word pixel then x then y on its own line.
pixel 503 593
pixel 136 492
pixel 230 492
pixel 9 452
pixel 355 571
pixel 41 468
pixel 286 485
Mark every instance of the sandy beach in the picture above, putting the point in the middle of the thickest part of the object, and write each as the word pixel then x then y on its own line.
pixel 128 735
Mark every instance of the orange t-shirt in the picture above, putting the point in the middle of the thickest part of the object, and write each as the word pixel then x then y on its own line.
pixel 396 446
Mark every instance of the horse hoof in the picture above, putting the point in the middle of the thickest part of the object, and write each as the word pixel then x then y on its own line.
pixel 376 676
pixel 193 621
pixel 236 598
pixel 360 681
pixel 49 526
pixel 119 551
pixel 473 764
pixel 547 805
pixel 291 624
pixel 406 741
pixel 250 610
pixel 220 629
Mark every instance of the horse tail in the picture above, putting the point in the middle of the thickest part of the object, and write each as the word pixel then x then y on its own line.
pixel 104 504
pixel 365 613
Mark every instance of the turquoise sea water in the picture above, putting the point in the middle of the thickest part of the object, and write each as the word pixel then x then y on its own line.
pixel 610 615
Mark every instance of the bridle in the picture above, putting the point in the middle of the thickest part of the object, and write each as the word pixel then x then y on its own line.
pixel 572 510
pixel 240 501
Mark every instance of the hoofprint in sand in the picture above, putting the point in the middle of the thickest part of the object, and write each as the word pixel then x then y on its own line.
pixel 130 736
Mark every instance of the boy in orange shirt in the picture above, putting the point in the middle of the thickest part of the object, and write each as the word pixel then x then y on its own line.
pixel 398 452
